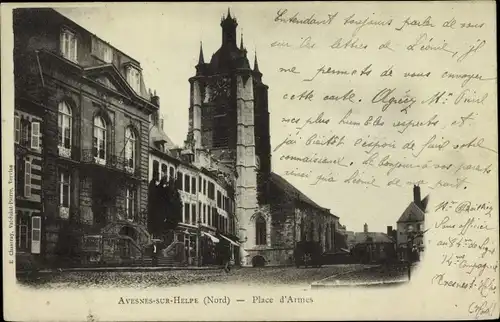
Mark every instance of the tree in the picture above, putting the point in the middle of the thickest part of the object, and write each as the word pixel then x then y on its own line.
pixel 164 207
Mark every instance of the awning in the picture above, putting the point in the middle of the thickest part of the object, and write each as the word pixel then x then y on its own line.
pixel 213 238
pixel 231 241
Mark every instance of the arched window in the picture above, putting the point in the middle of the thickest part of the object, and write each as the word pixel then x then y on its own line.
pixel 99 142
pixel 65 125
pixel 311 231
pixel 261 231
pixel 130 147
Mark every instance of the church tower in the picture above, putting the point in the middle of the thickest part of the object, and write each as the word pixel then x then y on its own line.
pixel 228 115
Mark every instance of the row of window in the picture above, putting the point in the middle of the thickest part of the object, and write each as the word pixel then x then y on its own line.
pixel 69 50
pixel 329 232
pixel 99 139
pixel 187 183
pixel 65 193
pixel 27 133
pixel 206 215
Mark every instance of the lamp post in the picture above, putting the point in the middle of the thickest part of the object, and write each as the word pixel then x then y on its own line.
pixel 198 244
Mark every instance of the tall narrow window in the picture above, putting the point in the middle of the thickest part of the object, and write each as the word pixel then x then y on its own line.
pixel 130 202
pixel 17 129
pixel 36 234
pixel 193 185
pixel 199 184
pixel 22 236
pixel 187 182
pixel 156 170
pixel 65 128
pixel 164 171
pixel 99 140
pixel 27 179
pixel 209 215
pixel 171 173
pixel 205 214
pixel 134 79
pixel 219 199
pixel 69 45
pixel 35 135
pixel 186 213
pixel 260 230
pixel 130 147
pixel 107 54
pixel 193 214
pixel 64 189
pixel 25 132
pixel 178 181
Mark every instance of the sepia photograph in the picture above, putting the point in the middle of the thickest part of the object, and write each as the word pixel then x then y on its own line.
pixel 332 152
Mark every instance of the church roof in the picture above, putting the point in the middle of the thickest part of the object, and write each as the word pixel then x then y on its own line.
pixel 412 213
pixel 371 237
pixel 228 57
pixel 288 188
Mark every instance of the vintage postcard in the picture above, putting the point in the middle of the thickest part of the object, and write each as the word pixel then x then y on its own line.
pixel 250 161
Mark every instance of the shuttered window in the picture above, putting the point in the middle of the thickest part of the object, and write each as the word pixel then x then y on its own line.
pixel 35 135
pixel 36 234
pixel 17 129
pixel 27 179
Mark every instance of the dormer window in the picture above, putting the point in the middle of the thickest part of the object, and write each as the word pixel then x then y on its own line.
pixel 69 45
pixel 107 54
pixel 134 78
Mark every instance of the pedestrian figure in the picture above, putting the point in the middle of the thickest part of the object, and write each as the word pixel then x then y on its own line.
pixel 223 253
pixel 155 255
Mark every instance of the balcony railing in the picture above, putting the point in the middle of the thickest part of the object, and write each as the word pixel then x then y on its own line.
pixel 112 162
pixel 63 212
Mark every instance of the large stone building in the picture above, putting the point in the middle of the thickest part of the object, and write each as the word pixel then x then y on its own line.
pixel 229 115
pixel 82 119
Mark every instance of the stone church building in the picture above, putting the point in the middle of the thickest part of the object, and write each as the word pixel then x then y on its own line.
pixel 229 116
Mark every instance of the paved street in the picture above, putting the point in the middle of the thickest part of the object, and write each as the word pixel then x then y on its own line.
pixel 370 276
pixel 249 276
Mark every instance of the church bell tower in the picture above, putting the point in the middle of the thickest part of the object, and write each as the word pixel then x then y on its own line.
pixel 228 115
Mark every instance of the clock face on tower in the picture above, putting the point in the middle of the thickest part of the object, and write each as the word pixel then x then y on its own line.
pixel 221 88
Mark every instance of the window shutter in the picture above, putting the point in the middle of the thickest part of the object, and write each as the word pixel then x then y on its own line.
pixel 36 234
pixel 17 128
pixel 62 48
pixel 35 135
pixel 27 179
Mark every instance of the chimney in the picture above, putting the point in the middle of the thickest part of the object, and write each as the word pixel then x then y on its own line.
pixel 417 199
pixel 155 99
pixel 161 124
pixel 389 231
pixel 365 228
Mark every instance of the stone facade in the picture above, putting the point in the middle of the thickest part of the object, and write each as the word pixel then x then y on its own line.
pixel 75 78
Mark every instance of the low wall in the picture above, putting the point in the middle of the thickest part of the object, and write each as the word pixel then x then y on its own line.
pixel 270 256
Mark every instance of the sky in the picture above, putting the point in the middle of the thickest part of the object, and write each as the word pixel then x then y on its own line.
pixel 165 39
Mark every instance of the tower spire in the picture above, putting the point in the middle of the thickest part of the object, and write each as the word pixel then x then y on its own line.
pixel 228 13
pixel 241 42
pixel 201 60
pixel 256 63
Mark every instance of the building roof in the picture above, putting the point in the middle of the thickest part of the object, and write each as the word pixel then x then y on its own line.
pixel 157 134
pixel 371 237
pixel 289 189
pixel 412 214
